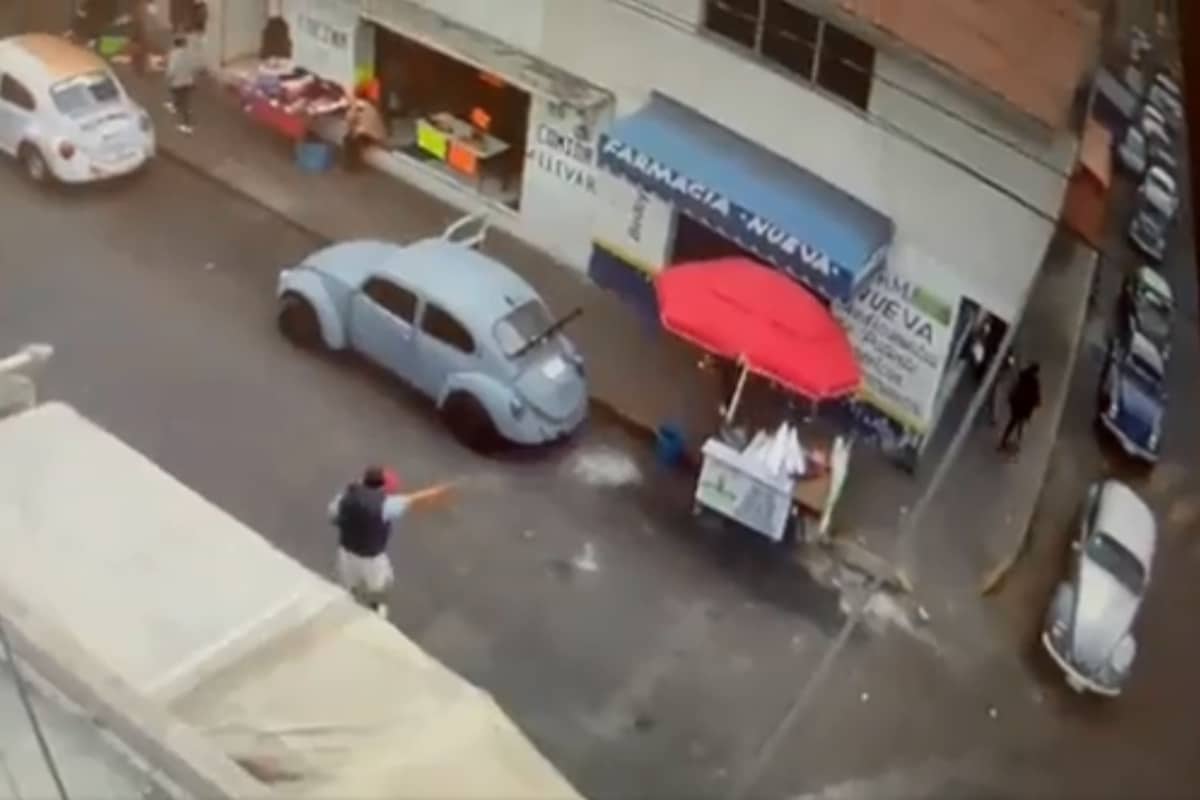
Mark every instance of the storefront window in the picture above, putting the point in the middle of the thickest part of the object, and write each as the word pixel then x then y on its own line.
pixel 799 42
pixel 452 116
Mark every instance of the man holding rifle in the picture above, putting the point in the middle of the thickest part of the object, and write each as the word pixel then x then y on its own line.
pixel 364 513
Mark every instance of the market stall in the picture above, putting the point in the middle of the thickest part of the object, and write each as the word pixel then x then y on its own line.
pixel 785 479
pixel 287 98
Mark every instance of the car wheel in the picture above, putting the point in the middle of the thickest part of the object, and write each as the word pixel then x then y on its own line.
pixel 298 322
pixel 33 163
pixel 469 422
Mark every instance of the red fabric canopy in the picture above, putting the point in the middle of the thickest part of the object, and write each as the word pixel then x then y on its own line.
pixel 737 308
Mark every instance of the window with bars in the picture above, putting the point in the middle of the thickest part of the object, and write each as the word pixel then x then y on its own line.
pixel 799 42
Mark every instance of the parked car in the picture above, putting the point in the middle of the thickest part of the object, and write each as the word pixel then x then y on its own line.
pixel 1163 157
pixel 65 116
pixel 1132 396
pixel 1159 187
pixel 1148 134
pixel 1164 95
pixel 459 326
pixel 1146 307
pixel 1149 229
pixel 1088 629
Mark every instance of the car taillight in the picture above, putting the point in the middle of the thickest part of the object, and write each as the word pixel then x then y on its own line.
pixel 66 150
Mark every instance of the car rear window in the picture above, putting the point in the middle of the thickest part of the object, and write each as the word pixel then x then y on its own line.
pixel 521 325
pixel 1117 561
pixel 79 95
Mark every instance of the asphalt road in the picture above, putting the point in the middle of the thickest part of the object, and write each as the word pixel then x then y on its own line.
pixel 661 672
pixel 676 650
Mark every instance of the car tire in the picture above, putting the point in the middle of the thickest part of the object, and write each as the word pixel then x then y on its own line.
pixel 33 164
pixel 298 321
pixel 469 422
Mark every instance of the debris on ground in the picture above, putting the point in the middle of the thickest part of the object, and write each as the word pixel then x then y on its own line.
pixel 585 561
pixel 606 467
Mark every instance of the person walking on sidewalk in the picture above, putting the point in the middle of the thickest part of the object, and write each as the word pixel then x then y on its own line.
pixel 183 68
pixel 364 513
pixel 1025 398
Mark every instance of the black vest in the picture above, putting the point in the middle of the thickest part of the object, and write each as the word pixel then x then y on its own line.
pixel 362 528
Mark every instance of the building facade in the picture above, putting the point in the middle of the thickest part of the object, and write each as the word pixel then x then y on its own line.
pixel 907 165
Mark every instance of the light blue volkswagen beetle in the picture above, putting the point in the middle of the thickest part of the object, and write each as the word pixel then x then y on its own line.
pixel 460 327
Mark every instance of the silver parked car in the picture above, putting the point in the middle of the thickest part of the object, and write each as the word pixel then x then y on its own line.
pixel 1089 625
pixel 460 327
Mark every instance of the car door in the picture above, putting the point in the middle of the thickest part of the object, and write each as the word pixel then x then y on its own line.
pixel 445 346
pixel 17 108
pixel 382 316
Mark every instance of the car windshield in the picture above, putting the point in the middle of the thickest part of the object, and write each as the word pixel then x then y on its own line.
pixel 80 95
pixel 523 324
pixel 1117 561
pixel 1154 313
pixel 1153 217
pixel 1143 372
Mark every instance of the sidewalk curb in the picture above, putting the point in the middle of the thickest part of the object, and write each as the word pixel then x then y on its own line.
pixel 993 578
pixel 169 151
pixel 174 748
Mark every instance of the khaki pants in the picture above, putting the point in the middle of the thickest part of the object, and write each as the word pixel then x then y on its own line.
pixel 367 579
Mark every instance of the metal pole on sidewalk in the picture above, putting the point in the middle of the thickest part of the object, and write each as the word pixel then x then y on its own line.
pixel 907 530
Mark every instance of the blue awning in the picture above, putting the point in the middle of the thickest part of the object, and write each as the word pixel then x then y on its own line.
pixel 785 214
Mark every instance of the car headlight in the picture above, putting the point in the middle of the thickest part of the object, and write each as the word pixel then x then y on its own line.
pixel 1120 662
pixel 1059 615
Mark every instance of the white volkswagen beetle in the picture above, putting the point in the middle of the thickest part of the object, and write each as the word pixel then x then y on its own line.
pixel 65 116
pixel 1089 625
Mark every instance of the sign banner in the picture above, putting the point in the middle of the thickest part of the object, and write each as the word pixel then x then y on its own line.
pixel 902 333
pixel 801 260
pixel 633 224
pixel 558 195
pixel 323 35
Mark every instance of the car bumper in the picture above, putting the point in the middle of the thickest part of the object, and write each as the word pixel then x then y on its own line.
pixel 532 428
pixel 1076 679
pixel 1130 447
pixel 84 169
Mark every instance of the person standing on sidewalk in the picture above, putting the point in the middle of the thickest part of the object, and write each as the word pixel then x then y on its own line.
pixel 364 513
pixel 1025 398
pixel 183 67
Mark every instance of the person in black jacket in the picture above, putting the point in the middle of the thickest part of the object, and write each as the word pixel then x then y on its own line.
pixel 364 513
pixel 1023 400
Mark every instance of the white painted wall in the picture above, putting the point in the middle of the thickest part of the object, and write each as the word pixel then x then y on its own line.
pixel 517 22
pixel 994 243
pixel 240 23
pixel 945 212
pixel 1028 161
pixel 558 196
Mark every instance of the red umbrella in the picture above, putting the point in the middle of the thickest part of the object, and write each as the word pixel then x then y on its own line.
pixel 737 308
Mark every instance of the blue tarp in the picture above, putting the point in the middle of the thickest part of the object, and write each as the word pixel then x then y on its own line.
pixel 790 217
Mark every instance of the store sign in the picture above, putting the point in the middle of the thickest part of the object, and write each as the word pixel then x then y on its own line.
pixel 902 334
pixel 633 224
pixel 776 245
pixel 323 37
pixel 560 155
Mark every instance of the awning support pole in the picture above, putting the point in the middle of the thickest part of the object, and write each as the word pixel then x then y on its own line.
pixel 736 400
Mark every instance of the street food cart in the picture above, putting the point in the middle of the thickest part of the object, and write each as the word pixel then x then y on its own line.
pixel 779 481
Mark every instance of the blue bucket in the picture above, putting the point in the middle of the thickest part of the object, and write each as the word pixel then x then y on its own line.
pixel 670 445
pixel 314 156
